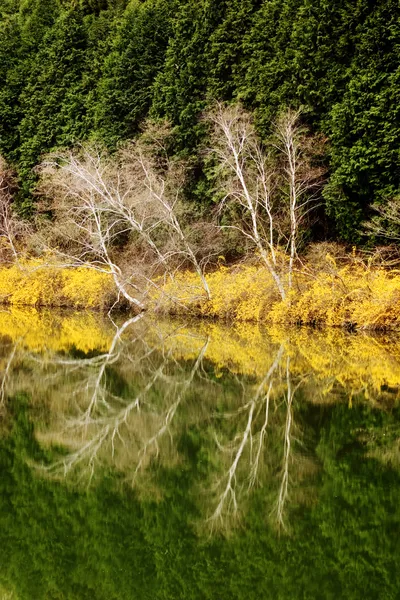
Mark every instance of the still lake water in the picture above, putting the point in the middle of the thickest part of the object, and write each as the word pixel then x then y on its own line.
pixel 166 460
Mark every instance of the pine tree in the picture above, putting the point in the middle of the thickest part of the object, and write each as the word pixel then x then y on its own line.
pixel 53 99
pixel 225 47
pixel 23 26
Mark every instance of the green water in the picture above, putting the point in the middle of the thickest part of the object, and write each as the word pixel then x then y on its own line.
pixel 167 460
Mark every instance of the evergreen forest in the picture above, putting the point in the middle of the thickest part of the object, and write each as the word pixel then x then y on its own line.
pixel 77 70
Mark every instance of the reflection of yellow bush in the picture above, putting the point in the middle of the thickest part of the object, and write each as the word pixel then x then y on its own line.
pixel 329 360
pixel 34 283
pixel 49 331
pixel 355 295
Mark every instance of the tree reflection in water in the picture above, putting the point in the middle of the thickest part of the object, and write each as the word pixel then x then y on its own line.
pixel 130 406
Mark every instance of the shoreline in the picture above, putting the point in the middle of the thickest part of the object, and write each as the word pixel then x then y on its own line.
pixel 350 294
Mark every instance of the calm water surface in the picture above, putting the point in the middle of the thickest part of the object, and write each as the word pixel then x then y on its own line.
pixel 167 460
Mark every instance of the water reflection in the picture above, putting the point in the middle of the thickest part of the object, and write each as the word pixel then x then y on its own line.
pixel 143 396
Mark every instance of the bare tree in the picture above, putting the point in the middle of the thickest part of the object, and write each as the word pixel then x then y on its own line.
pixel 98 199
pixel 303 176
pixel 284 487
pixel 106 420
pixel 246 178
pixel 12 228
pixel 386 221
pixel 258 405
pixel 269 187
pixel 86 225
pixel 4 378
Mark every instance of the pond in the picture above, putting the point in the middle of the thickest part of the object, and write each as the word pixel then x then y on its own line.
pixel 158 459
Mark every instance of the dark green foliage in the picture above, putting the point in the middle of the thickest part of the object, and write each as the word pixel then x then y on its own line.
pixel 21 33
pixel 267 82
pixel 180 90
pixel 53 99
pixel 323 43
pixel 54 93
pixel 57 541
pixel 11 83
pixel 35 18
pixel 225 47
pixel 364 125
pixel 137 55
pixel 75 69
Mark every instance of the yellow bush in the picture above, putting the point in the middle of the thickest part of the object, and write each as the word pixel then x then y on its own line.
pixel 244 293
pixel 178 294
pixel 355 295
pixel 87 288
pixel 334 364
pixel 36 283
pixel 379 308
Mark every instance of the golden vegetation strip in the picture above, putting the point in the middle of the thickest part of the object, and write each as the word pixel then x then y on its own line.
pixel 32 282
pixel 333 365
pixel 355 295
pixel 45 330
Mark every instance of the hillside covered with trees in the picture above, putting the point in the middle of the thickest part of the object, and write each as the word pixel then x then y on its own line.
pixel 76 70
pixel 217 158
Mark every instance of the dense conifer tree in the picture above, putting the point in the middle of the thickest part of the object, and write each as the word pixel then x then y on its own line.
pixel 53 99
pixel 74 69
pixel 11 82
pixel 22 29
pixel 181 88
pixel 364 123
pixel 137 56
pixel 268 82
pixel 225 48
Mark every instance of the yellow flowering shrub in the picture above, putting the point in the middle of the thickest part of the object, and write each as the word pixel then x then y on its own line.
pixel 379 307
pixel 36 283
pixel 243 293
pixel 355 295
pixel 178 294
pixel 87 288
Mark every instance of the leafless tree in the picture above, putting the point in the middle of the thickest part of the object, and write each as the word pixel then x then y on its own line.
pixel 4 378
pixel 271 184
pixel 246 179
pixel 259 404
pixel 97 199
pixel 302 175
pixel 284 487
pixel 12 228
pixel 385 223
pixel 181 390
pixel 104 420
